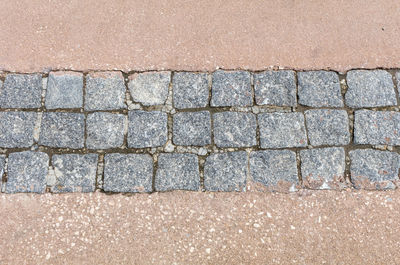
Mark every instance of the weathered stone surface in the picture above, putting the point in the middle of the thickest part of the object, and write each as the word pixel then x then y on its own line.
pixel 231 88
pixel 21 91
pixel 323 168
pixel 105 130
pixel 282 130
pixel 128 173
pixel 177 172
pixel 192 128
pixel 398 81
pixel 373 169
pixel 149 88
pixel 226 171
pixel 370 88
pixel 2 165
pixel 27 171
pixel 63 130
pixel 147 129
pixel 319 89
pixel 74 173
pixel 64 90
pixel 16 129
pixel 105 91
pixel 275 88
pixel 190 90
pixel 327 127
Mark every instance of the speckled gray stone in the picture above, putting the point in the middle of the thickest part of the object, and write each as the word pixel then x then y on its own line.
pixel 74 173
pixel 190 90
pixel 370 88
pixel 231 88
pixel 105 130
pixel 192 128
pixel 105 91
pixel 398 81
pixel 147 129
pixel 128 173
pixel 328 127
pixel 319 89
pixel 226 171
pixel 21 91
pixel 64 90
pixel 63 130
pixel 16 128
pixel 235 129
pixel 2 165
pixel 275 88
pixel 26 172
pixel 149 88
pixel 177 172
pixel 282 130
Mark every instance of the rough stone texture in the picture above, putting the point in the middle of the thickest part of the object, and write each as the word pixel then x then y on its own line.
pixel 74 173
pixel 192 128
pixel 21 91
pixel 26 172
pixel 323 168
pixel 377 127
pixel 319 89
pixel 16 129
pixel 190 90
pixel 63 130
pixel 398 81
pixel 147 129
pixel 64 90
pixel 150 88
pixel 128 173
pixel 226 171
pixel 2 165
pixel 282 130
pixel 328 127
pixel 105 130
pixel 275 88
pixel 231 88
pixel 370 88
pixel 177 172
pixel 373 169
pixel 105 91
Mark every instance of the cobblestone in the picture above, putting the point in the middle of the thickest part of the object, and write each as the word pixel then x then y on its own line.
pixel 2 165
pixel 21 91
pixel 192 128
pixel 190 90
pixel 16 129
pixel 64 90
pixel 150 88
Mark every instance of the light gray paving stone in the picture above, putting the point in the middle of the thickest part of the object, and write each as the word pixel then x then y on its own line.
pixel 74 173
pixel 231 88
pixel 282 130
pixel 2 165
pixel 177 172
pixel 128 173
pixel 319 89
pixel 105 91
pixel 275 88
pixel 16 129
pixel 21 91
pixel 370 88
pixel 26 172
pixel 192 128
pixel 64 90
pixel 398 81
pixel 328 127
pixel 63 130
pixel 226 171
pixel 190 90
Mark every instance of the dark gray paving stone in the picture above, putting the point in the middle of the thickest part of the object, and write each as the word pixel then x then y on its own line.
pixel 64 90
pixel 26 172
pixel 275 88
pixel 328 127
pixel 147 129
pixel 2 165
pixel 16 129
pixel 21 91
pixel 74 173
pixel 128 173
pixel 192 128
pixel 231 88
pixel 319 89
pixel 190 90
pixel 226 171
pixel 370 88
pixel 282 130
pixel 177 172
pixel 63 130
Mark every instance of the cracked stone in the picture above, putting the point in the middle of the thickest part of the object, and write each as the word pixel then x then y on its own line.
pixel 192 128
pixel 17 128
pixel 64 90
pixel 190 90
pixel 21 91
pixel 150 88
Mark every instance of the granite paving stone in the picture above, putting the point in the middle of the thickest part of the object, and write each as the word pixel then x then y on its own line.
pixel 398 81
pixel 192 128
pixel 17 128
pixel 64 90
pixel 2 165
pixel 190 90
pixel 21 91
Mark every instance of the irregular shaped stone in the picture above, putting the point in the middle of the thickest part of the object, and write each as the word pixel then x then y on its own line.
pixel 190 90
pixel 16 129
pixel 21 91
pixel 64 90
pixel 149 88
pixel 192 128
pixel 2 165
